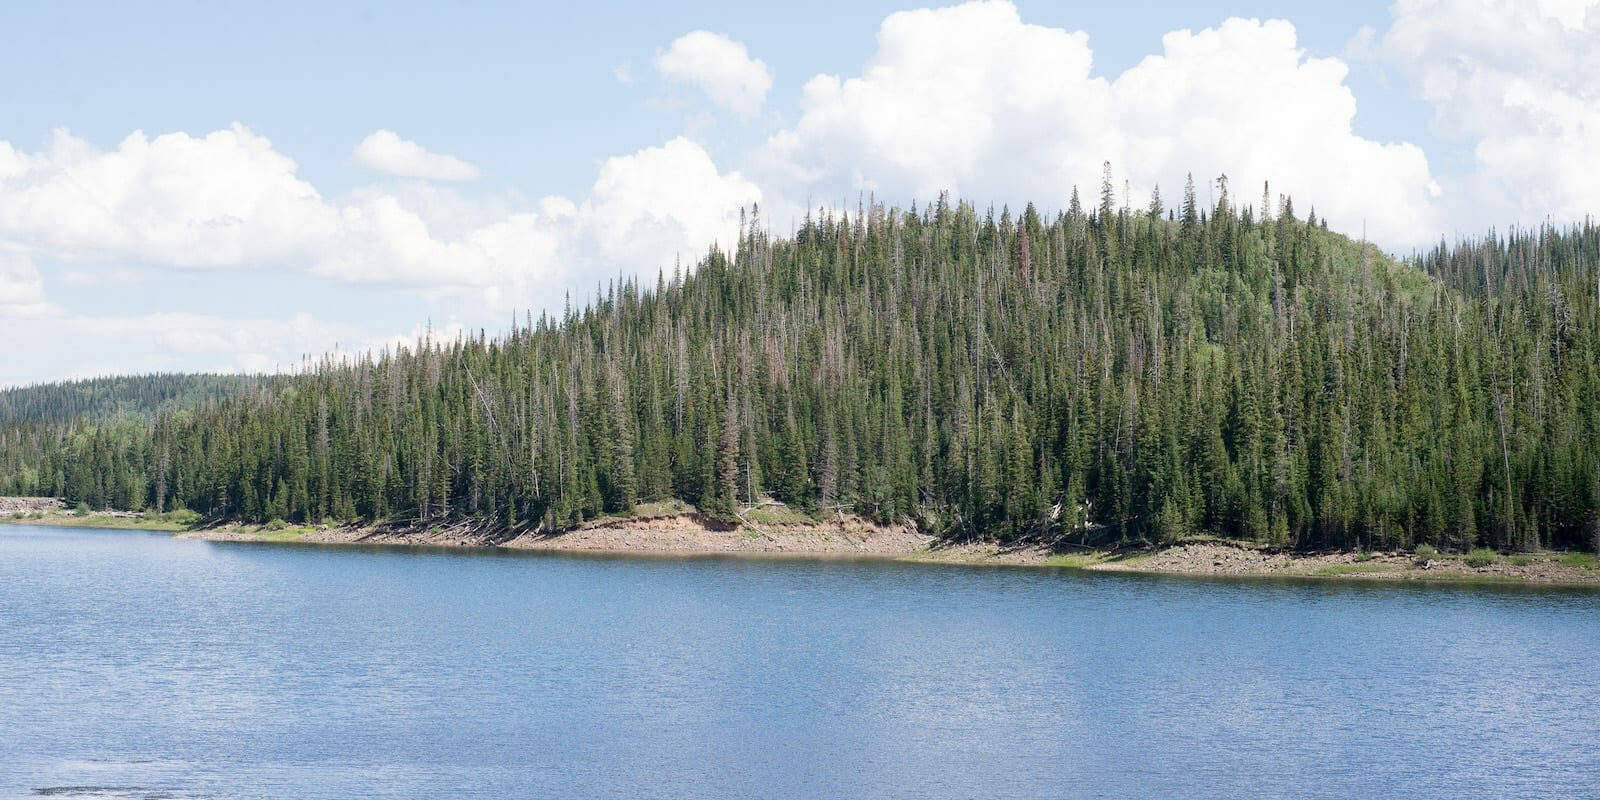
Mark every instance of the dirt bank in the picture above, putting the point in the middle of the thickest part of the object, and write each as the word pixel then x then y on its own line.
pixel 671 533
pixel 1222 557
pixel 691 533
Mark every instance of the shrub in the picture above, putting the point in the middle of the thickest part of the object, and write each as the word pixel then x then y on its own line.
pixel 1585 560
pixel 1482 557
pixel 1521 560
pixel 276 525
pixel 82 509
pixel 1426 553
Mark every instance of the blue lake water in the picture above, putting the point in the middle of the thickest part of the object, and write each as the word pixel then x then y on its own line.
pixel 134 665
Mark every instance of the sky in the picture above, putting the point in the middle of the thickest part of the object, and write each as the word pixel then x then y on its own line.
pixel 237 187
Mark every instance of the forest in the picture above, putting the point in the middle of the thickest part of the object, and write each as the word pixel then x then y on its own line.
pixel 1107 373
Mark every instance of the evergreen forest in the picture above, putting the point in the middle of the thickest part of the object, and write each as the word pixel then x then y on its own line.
pixel 1105 373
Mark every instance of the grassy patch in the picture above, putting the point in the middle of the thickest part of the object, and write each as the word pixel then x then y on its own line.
pixel 69 519
pixel 662 508
pixel 778 515
pixel 149 521
pixel 287 533
pixel 1076 560
pixel 1481 557
pixel 1583 560
pixel 1134 558
pixel 1521 560
pixel 1355 569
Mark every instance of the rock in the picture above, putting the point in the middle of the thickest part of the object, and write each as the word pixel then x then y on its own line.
pixel 16 505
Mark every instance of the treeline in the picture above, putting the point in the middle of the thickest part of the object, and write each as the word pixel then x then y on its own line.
pixel 1104 373
pixel 111 398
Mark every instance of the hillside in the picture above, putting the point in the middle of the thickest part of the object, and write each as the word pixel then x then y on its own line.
pixel 1105 373
pixel 107 399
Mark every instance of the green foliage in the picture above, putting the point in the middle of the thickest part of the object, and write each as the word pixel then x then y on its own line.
pixel 81 509
pixel 1105 373
pixel 124 397
pixel 1358 568
pixel 1425 553
pixel 177 518
pixel 1481 557
pixel 1584 560
pixel 275 525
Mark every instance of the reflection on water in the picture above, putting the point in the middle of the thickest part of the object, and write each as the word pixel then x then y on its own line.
pixel 137 666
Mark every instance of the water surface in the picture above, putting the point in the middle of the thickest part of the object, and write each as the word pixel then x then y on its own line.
pixel 140 666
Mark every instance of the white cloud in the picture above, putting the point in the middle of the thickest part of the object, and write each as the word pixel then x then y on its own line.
pixel 229 201
pixel 720 67
pixel 21 287
pixel 223 199
pixel 81 346
pixel 384 151
pixel 1242 99
pixel 668 199
pixel 972 100
pixel 1521 83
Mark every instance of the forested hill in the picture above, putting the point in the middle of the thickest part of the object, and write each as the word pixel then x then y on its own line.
pixel 111 398
pixel 1104 373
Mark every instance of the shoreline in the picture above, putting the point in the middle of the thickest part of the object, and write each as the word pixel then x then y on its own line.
pixel 670 534
pixel 680 532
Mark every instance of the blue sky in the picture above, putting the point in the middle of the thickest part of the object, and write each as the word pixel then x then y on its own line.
pixel 515 153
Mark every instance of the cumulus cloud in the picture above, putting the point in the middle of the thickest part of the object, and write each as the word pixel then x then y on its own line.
pixel 665 199
pixel 973 100
pixel 384 151
pixel 222 199
pixel 62 346
pixel 1521 84
pixel 1243 100
pixel 720 67
pixel 21 287
pixel 230 201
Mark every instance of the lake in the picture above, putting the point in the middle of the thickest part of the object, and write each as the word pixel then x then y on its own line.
pixel 134 665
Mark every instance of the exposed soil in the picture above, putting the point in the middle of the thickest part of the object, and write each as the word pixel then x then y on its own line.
pixel 1221 557
pixel 673 533
pixel 691 533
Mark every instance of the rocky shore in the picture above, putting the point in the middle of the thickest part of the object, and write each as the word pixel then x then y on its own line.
pixel 675 529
